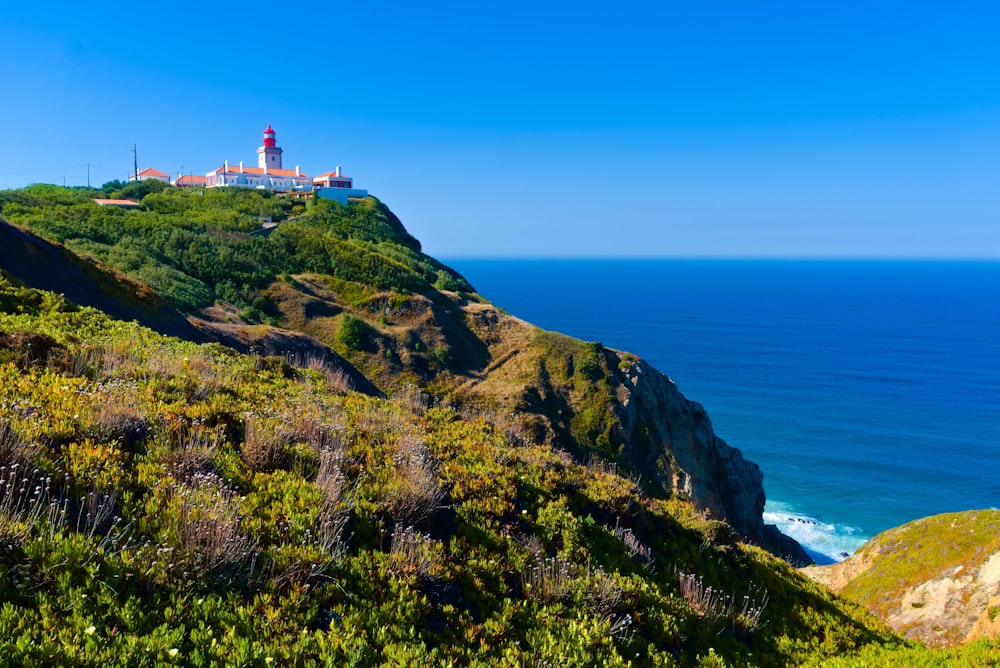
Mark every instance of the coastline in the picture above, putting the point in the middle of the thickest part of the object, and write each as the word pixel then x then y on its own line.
pixel 859 387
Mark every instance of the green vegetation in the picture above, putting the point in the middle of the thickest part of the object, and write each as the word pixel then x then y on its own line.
pixel 163 502
pixel 922 550
pixel 979 654
pixel 353 332
pixel 166 502
pixel 196 246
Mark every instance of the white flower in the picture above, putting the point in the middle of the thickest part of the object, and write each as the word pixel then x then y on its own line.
pixel 173 651
pixel 90 630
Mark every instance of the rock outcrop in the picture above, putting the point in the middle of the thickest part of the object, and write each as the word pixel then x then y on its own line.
pixel 670 438
pixel 658 432
pixel 936 580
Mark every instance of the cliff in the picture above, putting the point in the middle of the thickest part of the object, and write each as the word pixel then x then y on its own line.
pixel 581 395
pixel 504 495
pixel 671 439
pixel 349 289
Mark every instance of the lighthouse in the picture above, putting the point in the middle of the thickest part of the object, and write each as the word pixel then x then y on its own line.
pixel 269 155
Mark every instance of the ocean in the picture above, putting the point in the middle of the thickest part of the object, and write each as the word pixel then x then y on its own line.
pixel 867 391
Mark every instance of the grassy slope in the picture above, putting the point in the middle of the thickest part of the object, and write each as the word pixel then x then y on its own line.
pixel 356 530
pixel 949 548
pixel 511 500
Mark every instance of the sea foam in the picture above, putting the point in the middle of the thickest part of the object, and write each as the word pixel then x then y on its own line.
pixel 826 543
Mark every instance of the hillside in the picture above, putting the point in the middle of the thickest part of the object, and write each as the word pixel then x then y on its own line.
pixel 354 282
pixel 500 496
pixel 936 579
pixel 86 282
pixel 186 502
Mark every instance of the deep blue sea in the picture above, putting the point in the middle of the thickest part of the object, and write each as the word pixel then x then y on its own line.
pixel 867 391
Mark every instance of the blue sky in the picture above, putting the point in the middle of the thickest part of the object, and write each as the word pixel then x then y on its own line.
pixel 710 129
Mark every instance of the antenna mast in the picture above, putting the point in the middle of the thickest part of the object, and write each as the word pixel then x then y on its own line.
pixel 135 164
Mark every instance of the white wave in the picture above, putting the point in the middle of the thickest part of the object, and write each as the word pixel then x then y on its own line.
pixel 825 543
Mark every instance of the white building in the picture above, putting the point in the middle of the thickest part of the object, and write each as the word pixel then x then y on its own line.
pixel 150 173
pixel 278 180
pixel 269 174
pixel 336 186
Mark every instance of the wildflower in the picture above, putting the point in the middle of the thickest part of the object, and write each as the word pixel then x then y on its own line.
pixel 173 651
pixel 90 630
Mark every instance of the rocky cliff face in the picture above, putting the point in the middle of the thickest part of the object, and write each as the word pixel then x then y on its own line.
pixel 671 439
pixel 664 436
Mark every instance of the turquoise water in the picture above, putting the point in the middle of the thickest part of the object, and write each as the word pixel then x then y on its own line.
pixel 868 392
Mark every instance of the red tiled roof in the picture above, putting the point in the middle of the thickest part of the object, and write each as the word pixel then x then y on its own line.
pixel 149 171
pixel 259 171
pixel 333 175
pixel 117 202
pixel 190 180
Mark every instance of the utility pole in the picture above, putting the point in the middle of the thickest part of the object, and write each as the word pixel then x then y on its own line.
pixel 135 163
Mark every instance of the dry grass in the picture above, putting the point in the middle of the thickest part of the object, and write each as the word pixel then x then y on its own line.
pixel 338 499
pixel 117 418
pixel 206 531
pixel 189 450
pixel 13 449
pixel 639 552
pixel 338 380
pixel 411 552
pixel 264 444
pixel 96 515
pixel 549 581
pixel 25 501
pixel 318 428
pixel 383 421
pixel 603 593
pixel 713 604
pixel 416 492
pixel 413 399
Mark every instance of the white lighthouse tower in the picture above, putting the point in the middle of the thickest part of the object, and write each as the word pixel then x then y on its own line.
pixel 269 155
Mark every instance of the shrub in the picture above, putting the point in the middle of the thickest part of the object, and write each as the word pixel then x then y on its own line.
pixel 411 552
pixel 353 332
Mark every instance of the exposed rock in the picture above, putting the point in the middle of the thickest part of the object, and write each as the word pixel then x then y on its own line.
pixel 665 437
pixel 936 580
pixel 671 440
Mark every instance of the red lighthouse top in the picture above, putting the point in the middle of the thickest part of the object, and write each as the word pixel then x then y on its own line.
pixel 269 137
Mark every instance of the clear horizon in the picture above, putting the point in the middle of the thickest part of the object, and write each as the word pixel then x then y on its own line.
pixel 658 130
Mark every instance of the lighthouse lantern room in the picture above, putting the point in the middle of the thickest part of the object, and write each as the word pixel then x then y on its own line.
pixel 269 155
